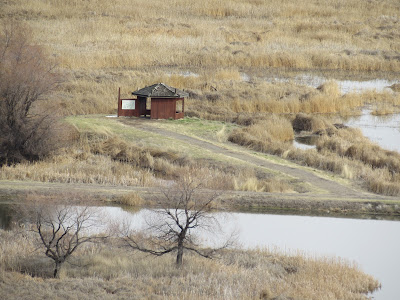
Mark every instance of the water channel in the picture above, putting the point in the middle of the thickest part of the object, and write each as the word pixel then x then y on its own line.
pixel 372 244
pixel 383 130
pixel 345 85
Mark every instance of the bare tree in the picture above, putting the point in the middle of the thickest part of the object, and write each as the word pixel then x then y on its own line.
pixel 172 228
pixel 62 229
pixel 27 75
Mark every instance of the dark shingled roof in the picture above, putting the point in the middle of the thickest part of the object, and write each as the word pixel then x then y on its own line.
pixel 160 90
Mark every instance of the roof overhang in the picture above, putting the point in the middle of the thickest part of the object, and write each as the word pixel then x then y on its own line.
pixel 160 90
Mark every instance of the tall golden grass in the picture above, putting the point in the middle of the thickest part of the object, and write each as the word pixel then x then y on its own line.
pixel 238 102
pixel 105 270
pixel 102 45
pixel 269 34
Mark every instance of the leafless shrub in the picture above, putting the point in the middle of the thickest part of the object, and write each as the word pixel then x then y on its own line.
pixel 61 229
pixel 171 229
pixel 26 77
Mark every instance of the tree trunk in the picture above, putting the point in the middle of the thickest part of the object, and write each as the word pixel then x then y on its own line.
pixel 179 256
pixel 57 270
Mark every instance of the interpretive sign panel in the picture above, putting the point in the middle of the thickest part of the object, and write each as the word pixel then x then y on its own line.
pixel 128 104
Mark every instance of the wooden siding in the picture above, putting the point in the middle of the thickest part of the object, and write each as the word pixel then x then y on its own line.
pixel 165 108
pixel 126 112
pixel 161 108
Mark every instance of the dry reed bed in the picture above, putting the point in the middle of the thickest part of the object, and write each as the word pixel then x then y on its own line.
pixel 98 34
pixel 102 45
pixel 110 160
pixel 106 272
pixel 233 102
pixel 219 95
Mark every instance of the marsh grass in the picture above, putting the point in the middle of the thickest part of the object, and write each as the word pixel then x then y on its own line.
pixel 101 46
pixel 105 154
pixel 253 184
pixel 204 48
pixel 130 199
pixel 344 151
pixel 105 271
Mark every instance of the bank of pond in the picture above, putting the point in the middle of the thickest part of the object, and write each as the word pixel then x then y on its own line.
pixel 371 244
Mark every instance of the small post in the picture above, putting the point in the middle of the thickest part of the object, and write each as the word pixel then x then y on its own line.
pixel 119 100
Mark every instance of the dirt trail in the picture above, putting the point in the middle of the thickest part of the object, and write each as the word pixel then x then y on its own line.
pixel 327 187
pixel 330 199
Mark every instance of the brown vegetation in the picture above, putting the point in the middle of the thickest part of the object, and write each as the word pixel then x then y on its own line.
pixel 265 136
pixel 105 271
pixel 222 55
pixel 101 45
pixel 129 44
pixel 60 229
pixel 344 151
pixel 26 76
pixel 111 160
pixel 310 123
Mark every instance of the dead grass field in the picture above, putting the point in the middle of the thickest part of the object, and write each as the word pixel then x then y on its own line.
pixel 208 48
pixel 105 271
pixel 204 47
pixel 109 152
pixel 145 153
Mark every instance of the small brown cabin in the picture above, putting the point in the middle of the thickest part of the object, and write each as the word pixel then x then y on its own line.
pixel 159 101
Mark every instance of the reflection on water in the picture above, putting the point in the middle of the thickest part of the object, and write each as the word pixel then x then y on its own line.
pixel 245 77
pixel 372 244
pixel 6 214
pixel 305 142
pixel 185 73
pixel 383 130
pixel 379 85
pixel 300 145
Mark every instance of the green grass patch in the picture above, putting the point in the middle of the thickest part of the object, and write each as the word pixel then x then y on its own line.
pixel 101 125
pixel 207 129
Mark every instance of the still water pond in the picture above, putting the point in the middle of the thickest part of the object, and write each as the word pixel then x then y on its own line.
pixel 383 130
pixel 345 85
pixel 373 244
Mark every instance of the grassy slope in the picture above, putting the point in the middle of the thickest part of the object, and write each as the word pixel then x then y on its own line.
pixel 315 200
pixel 213 132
